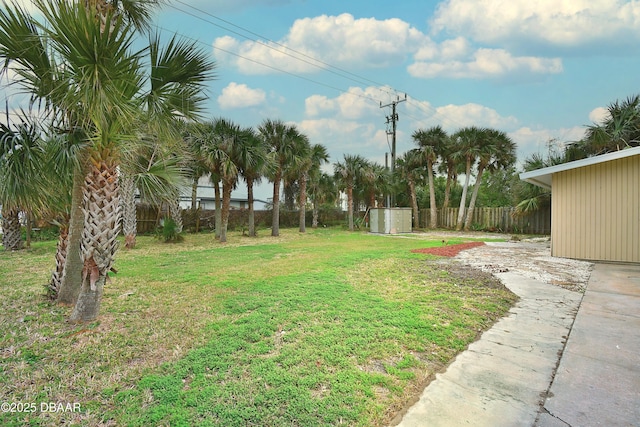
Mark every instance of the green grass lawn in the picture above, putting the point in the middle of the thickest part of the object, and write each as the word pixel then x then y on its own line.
pixel 326 328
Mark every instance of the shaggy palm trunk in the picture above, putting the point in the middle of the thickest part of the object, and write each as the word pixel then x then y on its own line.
pixel 433 223
pixel 129 220
pixel 11 237
pixel 252 216
pixel 314 216
pixel 414 203
pixel 303 203
pixel 194 194
pixel 61 255
pixel 350 205
pixel 226 205
pixel 275 220
pixel 447 188
pixel 474 196
pixel 218 212
pixel 99 244
pixel 176 215
pixel 463 200
pixel 72 272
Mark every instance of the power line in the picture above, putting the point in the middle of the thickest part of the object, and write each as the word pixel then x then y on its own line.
pixel 303 57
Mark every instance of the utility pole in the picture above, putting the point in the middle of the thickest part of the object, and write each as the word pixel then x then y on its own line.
pixel 392 119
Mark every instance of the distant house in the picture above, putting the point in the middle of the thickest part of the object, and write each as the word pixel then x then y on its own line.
pixel 206 199
pixel 595 206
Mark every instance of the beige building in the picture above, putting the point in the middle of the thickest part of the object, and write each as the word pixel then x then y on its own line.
pixel 595 206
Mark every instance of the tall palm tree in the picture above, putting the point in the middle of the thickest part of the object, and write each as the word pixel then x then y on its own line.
pixel 220 152
pixel 346 173
pixel 411 168
pixel 467 143
pixel 496 151
pixel 79 60
pixel 281 140
pixel 372 183
pixel 432 143
pixel 311 164
pixel 322 189
pixel 253 161
pixel 449 166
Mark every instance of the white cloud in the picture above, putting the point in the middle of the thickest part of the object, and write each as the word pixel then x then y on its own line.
pixel 453 117
pixel 598 115
pixel 541 141
pixel 240 96
pixel 337 40
pixel 353 104
pixel 552 22
pixel 484 63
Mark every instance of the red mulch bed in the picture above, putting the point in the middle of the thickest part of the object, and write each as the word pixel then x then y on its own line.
pixel 448 250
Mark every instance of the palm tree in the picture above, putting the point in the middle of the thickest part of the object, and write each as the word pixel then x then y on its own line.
pixel 432 143
pixel 79 60
pixel 221 154
pixel 253 161
pixel 449 166
pixel 372 183
pixel 311 164
pixel 467 149
pixel 411 168
pixel 621 129
pixel 346 174
pixel 533 197
pixel 496 151
pixel 322 189
pixel 157 175
pixel 22 186
pixel 281 140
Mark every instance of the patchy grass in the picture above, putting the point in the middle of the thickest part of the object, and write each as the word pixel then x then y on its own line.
pixel 327 328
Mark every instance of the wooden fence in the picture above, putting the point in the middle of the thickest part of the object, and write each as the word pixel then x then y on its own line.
pixel 489 219
pixel 494 219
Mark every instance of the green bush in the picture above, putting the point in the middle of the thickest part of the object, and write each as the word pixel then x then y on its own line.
pixel 169 232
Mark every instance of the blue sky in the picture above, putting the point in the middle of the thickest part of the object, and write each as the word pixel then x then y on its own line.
pixel 538 70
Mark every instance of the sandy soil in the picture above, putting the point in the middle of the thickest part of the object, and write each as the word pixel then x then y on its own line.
pixel 531 258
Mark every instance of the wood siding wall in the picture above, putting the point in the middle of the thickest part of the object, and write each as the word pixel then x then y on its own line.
pixel 595 212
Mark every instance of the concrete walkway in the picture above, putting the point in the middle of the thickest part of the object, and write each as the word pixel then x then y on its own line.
pixel 598 379
pixel 503 378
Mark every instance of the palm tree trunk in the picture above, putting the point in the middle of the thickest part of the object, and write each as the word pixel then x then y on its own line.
pixel 218 213
pixel 12 238
pixel 474 196
pixel 61 255
pixel 303 203
pixel 275 221
pixel 314 220
pixel 226 204
pixel 252 216
pixel 432 198
pixel 129 220
pixel 447 189
pixel 176 214
pixel 350 205
pixel 72 273
pixel 194 194
pixel 414 202
pixel 463 199
pixel 99 238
